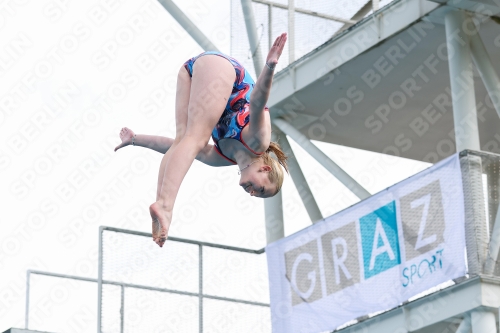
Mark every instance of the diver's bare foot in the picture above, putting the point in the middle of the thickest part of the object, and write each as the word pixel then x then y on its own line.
pixel 126 134
pixel 161 223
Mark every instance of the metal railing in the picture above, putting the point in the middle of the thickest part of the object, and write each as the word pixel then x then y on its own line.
pixel 200 294
pixel 56 275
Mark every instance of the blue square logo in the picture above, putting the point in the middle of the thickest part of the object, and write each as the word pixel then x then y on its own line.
pixel 379 239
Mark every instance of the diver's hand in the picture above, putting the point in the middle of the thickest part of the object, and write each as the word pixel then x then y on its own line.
pixel 126 135
pixel 276 50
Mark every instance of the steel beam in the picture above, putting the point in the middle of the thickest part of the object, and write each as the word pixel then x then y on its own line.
pixel 291 31
pixel 188 25
pixel 270 26
pixel 273 208
pixel 252 36
pixel 27 311
pixel 462 83
pixel 309 12
pixel 467 135
pixel 486 70
pixel 321 157
pixel 99 282
pixel 300 182
pixel 360 14
pixel 200 288
pixel 122 309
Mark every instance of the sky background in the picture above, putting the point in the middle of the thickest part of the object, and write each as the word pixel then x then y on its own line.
pixel 73 73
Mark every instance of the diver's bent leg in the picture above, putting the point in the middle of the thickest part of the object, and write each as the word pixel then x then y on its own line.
pixel 211 86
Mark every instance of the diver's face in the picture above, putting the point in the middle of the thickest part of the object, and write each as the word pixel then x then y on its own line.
pixel 255 181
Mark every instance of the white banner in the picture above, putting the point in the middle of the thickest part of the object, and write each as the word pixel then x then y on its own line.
pixel 372 256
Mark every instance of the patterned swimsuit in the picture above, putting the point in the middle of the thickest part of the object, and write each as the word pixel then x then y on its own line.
pixel 236 114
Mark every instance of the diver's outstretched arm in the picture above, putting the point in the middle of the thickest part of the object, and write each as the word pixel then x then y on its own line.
pixel 162 144
pixel 262 88
pixel 157 143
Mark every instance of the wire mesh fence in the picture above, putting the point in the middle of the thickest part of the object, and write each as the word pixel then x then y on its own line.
pixel 314 23
pixel 481 182
pixel 185 286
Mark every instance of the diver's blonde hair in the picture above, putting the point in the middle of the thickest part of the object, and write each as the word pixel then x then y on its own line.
pixel 276 175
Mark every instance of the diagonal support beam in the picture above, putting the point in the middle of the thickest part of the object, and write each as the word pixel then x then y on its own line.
pixel 357 17
pixel 252 36
pixel 300 182
pixel 486 70
pixel 188 25
pixel 465 325
pixel 321 157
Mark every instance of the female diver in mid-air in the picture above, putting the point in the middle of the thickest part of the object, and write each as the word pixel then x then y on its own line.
pixel 216 97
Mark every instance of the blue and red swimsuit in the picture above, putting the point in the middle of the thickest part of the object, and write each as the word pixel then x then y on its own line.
pixel 236 114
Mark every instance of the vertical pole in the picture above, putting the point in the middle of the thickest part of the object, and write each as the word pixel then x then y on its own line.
pixel 200 287
pixel 300 181
pixel 483 322
pixel 27 312
pixel 467 137
pixel 99 282
pixel 375 5
pixel 291 31
pixel 122 309
pixel 462 83
pixel 270 25
pixel 273 209
pixel 252 36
